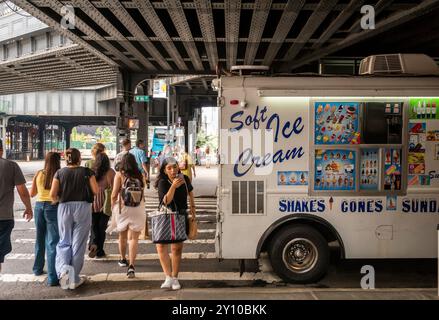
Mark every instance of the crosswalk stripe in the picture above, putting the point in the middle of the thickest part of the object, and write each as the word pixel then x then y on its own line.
pixel 155 276
pixel 116 241
pixel 33 229
pixel 116 257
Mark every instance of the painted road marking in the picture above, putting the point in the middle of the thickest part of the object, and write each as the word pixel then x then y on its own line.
pixel 155 276
pixel 116 257
pixel 116 241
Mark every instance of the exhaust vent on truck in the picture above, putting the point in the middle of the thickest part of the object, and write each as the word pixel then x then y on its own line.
pixel 414 64
pixel 248 197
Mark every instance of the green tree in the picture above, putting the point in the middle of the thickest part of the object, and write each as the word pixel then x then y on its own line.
pixel 106 135
pixel 74 135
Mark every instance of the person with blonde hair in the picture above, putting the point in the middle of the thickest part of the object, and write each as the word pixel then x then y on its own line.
pixel 97 148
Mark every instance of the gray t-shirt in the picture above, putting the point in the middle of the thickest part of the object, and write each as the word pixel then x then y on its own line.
pixel 10 176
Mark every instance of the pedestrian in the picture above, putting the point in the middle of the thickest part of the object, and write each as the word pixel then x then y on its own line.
pixel 141 159
pixel 101 205
pixel 186 165
pixel 11 177
pixel 197 156
pixel 97 148
pixel 46 218
pixel 74 188
pixel 126 147
pixel 128 208
pixel 173 193
pixel 207 151
pixel 218 159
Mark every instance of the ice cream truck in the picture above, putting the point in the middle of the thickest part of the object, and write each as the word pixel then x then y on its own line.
pixel 307 161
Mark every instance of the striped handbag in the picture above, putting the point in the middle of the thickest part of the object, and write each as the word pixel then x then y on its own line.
pixel 167 226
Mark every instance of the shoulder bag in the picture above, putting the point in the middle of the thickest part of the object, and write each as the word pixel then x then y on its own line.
pixel 167 225
pixel 192 221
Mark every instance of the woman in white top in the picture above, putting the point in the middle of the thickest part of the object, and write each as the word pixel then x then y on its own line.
pixel 130 218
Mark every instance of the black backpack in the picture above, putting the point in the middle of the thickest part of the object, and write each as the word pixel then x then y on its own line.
pixel 132 192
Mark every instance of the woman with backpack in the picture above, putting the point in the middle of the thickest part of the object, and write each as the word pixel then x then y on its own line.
pixel 128 206
pixel 101 205
pixel 74 188
pixel 173 190
pixel 46 221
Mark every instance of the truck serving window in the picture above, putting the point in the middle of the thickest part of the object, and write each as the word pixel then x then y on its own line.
pixel 358 147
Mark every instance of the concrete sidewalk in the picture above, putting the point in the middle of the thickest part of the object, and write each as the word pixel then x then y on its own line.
pixel 205 183
pixel 272 294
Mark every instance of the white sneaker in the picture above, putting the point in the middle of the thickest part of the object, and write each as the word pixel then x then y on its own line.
pixel 167 284
pixel 175 284
pixel 64 281
pixel 74 286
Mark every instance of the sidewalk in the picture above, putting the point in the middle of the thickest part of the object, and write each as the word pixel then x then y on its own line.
pixel 272 294
pixel 205 183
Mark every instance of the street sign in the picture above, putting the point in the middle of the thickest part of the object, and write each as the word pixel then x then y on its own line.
pixel 142 98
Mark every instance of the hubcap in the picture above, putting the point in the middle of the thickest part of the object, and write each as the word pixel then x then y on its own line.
pixel 300 255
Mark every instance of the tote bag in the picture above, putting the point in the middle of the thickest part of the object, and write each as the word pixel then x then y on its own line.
pixel 167 226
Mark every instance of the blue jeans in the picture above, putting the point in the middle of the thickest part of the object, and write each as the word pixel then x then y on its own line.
pixel 46 222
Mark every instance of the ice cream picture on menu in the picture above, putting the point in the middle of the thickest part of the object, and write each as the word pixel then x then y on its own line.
pixel 337 123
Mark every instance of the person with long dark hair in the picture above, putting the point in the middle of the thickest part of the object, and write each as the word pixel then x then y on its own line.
pixel 173 193
pixel 46 221
pixel 127 201
pixel 101 204
pixel 74 188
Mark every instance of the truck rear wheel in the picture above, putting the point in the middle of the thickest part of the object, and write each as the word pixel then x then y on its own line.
pixel 299 254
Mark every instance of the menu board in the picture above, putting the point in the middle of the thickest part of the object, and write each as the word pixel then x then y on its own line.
pixel 369 169
pixel 336 123
pixel 334 170
pixel 392 169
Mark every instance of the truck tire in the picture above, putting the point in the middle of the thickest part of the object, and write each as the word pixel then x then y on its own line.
pixel 299 254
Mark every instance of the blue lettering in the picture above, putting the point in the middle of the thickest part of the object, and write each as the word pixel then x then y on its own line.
pixel 305 207
pixel 235 169
pixel 275 116
pixel 321 205
pixel 282 206
pixel 293 153
pixel 424 206
pixel 415 206
pixel 433 206
pixel 353 206
pixel 378 206
pixel 369 206
pixel 263 117
pixel 405 205
pixel 344 206
pixel 297 207
pixel 312 206
pixel 232 119
pixel 248 120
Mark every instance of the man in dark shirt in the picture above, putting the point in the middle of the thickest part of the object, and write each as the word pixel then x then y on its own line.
pixel 11 177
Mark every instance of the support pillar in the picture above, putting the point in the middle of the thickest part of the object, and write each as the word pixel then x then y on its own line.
pixel 67 134
pixel 41 129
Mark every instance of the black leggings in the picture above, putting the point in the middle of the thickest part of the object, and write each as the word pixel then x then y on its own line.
pixel 99 222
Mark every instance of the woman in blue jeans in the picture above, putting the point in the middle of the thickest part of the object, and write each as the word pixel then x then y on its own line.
pixel 45 215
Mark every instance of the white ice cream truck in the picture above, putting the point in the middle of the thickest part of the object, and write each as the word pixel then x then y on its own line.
pixel 310 160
